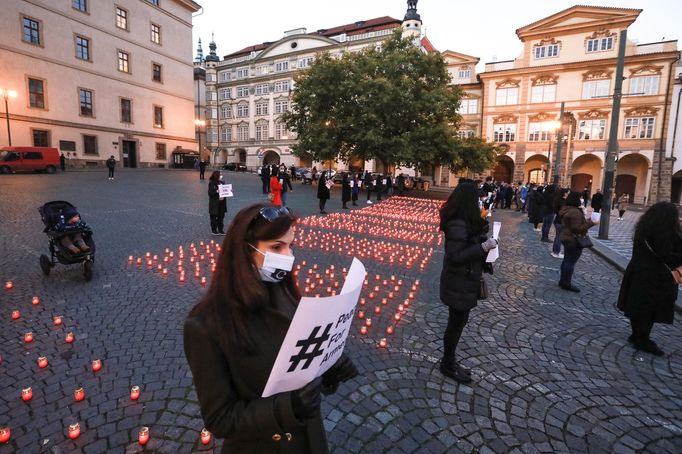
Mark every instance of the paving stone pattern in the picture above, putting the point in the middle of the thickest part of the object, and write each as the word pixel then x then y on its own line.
pixel 553 371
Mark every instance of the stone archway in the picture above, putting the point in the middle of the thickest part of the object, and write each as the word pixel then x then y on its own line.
pixel 631 176
pixel 535 169
pixel 271 157
pixel 504 169
pixel 586 171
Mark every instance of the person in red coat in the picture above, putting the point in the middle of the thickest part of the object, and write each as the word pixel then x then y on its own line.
pixel 276 189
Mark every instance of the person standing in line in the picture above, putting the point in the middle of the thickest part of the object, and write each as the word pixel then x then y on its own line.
pixel 202 169
pixel 292 169
pixel 369 184
pixel 573 225
pixel 597 200
pixel 217 206
pixel 355 189
pixel 586 196
pixel 557 205
pixel 276 188
pixel 323 193
pixel 461 280
pixel 111 165
pixel 62 162
pixel 265 178
pixel 623 202
pixel 379 186
pixel 389 185
pixel 548 202
pixel 346 190
pixel 233 335
pixel 536 210
pixel 400 183
pixel 651 281
pixel 285 181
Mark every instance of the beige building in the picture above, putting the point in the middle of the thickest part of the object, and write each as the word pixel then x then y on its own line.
pixel 570 57
pixel 95 79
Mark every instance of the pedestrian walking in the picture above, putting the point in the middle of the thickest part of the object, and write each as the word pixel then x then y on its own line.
pixel 62 162
pixel 217 206
pixel 536 210
pixel 285 181
pixel 597 200
pixel 369 184
pixel 202 169
pixel 292 169
pixel 276 190
pixel 355 189
pixel 233 335
pixel 265 178
pixel 651 280
pixel 586 196
pixel 557 205
pixel 573 226
pixel 346 190
pixel 111 165
pixel 461 280
pixel 623 202
pixel 548 203
pixel 323 193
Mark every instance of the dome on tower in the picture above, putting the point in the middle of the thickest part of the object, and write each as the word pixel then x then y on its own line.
pixel 412 11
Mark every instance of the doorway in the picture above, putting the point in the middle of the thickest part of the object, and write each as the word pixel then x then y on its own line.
pixel 129 150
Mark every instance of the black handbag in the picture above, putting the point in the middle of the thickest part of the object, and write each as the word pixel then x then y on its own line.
pixel 584 241
pixel 483 290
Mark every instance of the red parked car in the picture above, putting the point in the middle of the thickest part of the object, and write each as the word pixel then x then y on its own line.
pixel 28 159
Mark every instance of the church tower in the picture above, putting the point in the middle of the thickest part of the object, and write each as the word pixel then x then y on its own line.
pixel 212 58
pixel 199 59
pixel 412 23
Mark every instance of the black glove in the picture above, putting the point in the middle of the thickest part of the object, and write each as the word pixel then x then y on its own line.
pixel 341 371
pixel 306 401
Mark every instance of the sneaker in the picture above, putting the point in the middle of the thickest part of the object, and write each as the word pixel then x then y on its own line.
pixel 369 202
pixel 215 233
pixel 220 232
pixel 557 256
pixel 537 230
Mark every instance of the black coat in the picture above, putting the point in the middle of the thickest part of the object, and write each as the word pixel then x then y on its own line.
pixel 111 163
pixel 460 279
pixel 322 189
pixel 537 208
pixel 229 387
pixel 345 190
pixel 597 200
pixel 648 290
pixel 215 205
pixel 265 173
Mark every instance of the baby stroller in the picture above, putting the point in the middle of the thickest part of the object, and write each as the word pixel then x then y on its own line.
pixel 51 213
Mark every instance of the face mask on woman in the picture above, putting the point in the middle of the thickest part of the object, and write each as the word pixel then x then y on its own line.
pixel 275 266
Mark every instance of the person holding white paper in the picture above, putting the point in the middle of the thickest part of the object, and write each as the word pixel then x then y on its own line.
pixel 461 281
pixel 233 336
pixel 217 206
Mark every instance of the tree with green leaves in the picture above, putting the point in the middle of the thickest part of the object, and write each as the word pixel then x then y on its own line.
pixel 393 104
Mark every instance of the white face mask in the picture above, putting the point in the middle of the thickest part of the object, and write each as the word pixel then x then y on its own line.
pixel 275 266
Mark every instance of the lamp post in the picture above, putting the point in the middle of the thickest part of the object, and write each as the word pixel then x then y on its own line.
pixel 199 123
pixel 6 94
pixel 549 126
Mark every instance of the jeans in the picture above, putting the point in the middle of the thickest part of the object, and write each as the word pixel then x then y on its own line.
pixel 111 173
pixel 556 247
pixel 285 195
pixel 457 320
pixel 572 253
pixel 547 225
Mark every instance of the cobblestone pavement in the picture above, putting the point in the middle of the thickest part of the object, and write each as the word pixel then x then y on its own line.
pixel 620 233
pixel 553 371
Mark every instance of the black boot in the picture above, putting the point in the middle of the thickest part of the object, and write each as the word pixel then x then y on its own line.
pixel 452 369
pixel 648 346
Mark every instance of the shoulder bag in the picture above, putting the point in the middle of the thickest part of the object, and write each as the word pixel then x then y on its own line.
pixel 584 241
pixel 676 274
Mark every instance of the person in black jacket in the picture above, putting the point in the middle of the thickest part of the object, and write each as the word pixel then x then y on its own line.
pixel 233 335
pixel 265 178
pixel 557 205
pixel 548 203
pixel 345 190
pixel 650 283
pixel 369 184
pixel 285 181
pixel 536 207
pixel 597 200
pixel 217 207
pixel 379 186
pixel 111 165
pixel 202 168
pixel 466 247
pixel 323 193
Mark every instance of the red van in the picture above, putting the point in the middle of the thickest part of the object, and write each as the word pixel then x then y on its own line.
pixel 28 159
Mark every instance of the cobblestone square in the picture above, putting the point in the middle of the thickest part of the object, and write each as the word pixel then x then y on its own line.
pixel 553 371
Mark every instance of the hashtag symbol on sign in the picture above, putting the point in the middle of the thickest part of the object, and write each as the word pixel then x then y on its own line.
pixel 309 356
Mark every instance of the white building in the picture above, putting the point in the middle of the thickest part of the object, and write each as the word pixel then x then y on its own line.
pixel 96 79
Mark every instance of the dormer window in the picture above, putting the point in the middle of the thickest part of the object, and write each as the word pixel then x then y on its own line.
pixel 548 51
pixel 464 73
pixel 600 44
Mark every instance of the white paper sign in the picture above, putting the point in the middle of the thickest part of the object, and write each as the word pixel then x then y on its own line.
pixel 329 184
pixel 316 336
pixel 596 217
pixel 225 190
pixel 494 254
pixel 352 183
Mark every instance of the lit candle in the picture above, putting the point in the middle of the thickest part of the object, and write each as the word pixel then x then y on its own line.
pixel 135 392
pixel 368 322
pixel 35 300
pixel 26 394
pixel 42 362
pixel 28 337
pixel 5 434
pixel 9 285
pixel 362 301
pixel 57 320
pixel 361 314
pixel 397 316
pixel 143 436
pixel 15 315
pixel 79 394
pixel 205 436
pixel 74 430
pixel 384 301
pixel 389 329
pixel 363 330
pixel 383 343
pixel 377 310
pixel 96 365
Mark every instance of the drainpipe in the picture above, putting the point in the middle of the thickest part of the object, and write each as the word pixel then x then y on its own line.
pixel 677 116
pixel 665 117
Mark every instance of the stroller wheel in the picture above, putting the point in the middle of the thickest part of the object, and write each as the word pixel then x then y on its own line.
pixel 45 264
pixel 87 270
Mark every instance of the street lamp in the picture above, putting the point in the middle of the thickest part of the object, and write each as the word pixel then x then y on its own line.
pixel 7 93
pixel 199 123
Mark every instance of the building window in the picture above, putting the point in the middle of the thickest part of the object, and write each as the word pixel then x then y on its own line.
pixel 639 128
pixel 543 93
pixel 126 111
pixel 226 112
pixel 82 48
pixel 281 86
pixel 154 2
pixel 281 107
pixel 242 133
pixel 599 44
pixel 262 108
pixel 158 117
pixel 161 152
pixel 226 133
pixel 281 66
pixel 306 62
pixel 644 85
pixel 505 132
pixel 242 110
pixel 156 72
pixel 507 96
pixel 89 144
pixel 596 88
pixel 31 31
pixel 242 92
pixel 80 5
pixel 548 51
pixel 536 176
pixel 36 93
pixel 225 76
pixel 224 93
pixel 155 33
pixel 281 131
pixel 464 73
pixel 466 133
pixel 242 73
pixel 468 106
pixel 537 132
pixel 262 70
pixel 591 129
pixel 85 99
pixel 123 61
pixel 122 18
pixel 212 135
pixel 41 138
pixel 211 95
pixel 262 131
pixel 261 89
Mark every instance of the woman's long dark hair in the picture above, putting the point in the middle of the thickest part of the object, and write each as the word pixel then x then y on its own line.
pixel 215 176
pixel 236 291
pixel 659 226
pixel 573 199
pixel 462 204
pixel 559 200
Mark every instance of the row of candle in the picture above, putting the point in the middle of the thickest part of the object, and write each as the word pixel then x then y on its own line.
pixel 365 228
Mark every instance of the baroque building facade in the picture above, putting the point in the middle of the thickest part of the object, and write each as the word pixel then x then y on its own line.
pixel 96 79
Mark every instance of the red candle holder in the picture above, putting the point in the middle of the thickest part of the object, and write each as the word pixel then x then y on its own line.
pixel 96 365
pixel 28 337
pixel 384 301
pixel 79 394
pixel 35 300
pixel 361 314
pixel 203 281
pixel 389 329
pixel 139 261
pixel 363 330
pixel 9 285
pixel 362 301
pixel 16 314
pixel 205 436
pixel 383 343
pixel 42 362
pixel 143 436
pixel 397 316
pixel 74 430
pixel 135 392
pixel 182 277
pixel 368 322
pixel 69 337
pixel 377 310
pixel 130 258
pixel 26 394
pixel 5 434
pixel 57 320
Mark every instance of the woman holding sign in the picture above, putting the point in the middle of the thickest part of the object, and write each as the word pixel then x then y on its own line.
pixel 217 206
pixel 461 281
pixel 232 338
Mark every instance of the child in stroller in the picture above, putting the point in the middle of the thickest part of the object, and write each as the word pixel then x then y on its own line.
pixel 70 221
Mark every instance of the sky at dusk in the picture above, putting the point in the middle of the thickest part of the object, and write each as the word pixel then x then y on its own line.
pixel 484 28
